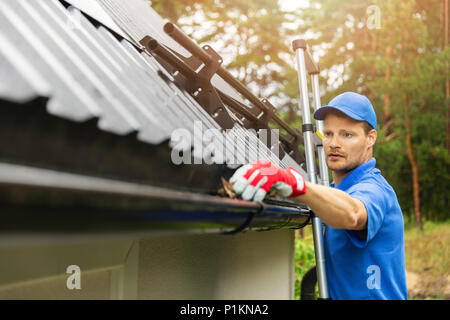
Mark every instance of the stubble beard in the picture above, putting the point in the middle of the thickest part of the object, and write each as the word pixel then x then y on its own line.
pixel 346 168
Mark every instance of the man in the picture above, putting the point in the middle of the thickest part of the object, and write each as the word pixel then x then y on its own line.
pixel 364 242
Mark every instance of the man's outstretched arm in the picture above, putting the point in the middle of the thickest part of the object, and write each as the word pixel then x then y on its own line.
pixel 335 207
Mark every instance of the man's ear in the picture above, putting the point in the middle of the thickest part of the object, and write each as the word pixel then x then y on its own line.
pixel 372 137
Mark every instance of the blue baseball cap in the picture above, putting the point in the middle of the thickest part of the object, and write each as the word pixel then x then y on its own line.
pixel 353 105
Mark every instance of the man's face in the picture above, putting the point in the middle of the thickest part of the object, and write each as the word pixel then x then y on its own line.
pixel 345 143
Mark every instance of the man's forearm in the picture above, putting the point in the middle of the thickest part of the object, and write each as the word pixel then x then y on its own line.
pixel 335 207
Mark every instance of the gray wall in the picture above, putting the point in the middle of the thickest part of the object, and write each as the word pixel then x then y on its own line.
pixel 251 265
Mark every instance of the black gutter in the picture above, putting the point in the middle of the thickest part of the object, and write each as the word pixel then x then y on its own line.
pixel 45 202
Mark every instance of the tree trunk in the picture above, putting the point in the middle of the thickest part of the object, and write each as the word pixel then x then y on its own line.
pixel 374 50
pixel 447 81
pixel 387 96
pixel 387 77
pixel 414 167
pixel 291 114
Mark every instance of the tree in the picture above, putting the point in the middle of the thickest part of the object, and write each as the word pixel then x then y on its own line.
pixel 250 34
pixel 400 67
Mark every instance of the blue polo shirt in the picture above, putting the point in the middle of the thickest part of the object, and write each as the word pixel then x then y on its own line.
pixel 373 268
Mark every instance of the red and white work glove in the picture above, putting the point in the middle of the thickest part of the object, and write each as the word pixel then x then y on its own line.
pixel 254 180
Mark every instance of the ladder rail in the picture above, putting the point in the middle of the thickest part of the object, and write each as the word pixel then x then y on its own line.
pixel 324 180
pixel 301 55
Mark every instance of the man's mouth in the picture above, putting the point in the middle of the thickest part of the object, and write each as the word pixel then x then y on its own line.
pixel 335 156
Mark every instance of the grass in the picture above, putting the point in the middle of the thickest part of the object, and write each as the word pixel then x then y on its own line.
pixel 427 259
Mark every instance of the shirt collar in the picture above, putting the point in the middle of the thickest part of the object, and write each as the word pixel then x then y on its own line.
pixel 355 174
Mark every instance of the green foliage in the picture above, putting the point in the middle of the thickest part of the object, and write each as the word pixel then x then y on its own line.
pixel 304 260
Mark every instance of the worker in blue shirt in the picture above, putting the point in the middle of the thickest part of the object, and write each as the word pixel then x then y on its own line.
pixel 364 233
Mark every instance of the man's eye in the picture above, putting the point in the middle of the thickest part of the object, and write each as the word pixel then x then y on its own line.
pixel 347 135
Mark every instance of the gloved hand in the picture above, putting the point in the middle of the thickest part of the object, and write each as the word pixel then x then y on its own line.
pixel 254 180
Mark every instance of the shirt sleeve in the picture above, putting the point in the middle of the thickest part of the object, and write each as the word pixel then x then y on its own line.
pixel 374 199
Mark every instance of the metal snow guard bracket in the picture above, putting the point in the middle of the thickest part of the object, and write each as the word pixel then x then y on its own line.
pixel 194 75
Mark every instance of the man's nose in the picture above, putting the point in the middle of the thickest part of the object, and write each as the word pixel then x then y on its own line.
pixel 334 143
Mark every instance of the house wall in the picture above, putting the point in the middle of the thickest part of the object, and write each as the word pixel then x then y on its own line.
pixel 251 265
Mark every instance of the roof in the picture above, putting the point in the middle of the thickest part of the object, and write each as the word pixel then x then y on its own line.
pixel 80 96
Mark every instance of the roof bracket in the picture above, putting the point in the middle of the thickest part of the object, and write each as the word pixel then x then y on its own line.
pixel 263 121
pixel 293 145
pixel 193 73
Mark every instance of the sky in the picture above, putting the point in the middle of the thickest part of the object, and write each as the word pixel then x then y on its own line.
pixel 291 5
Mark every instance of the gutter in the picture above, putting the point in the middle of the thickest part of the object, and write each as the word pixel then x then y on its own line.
pixel 40 202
